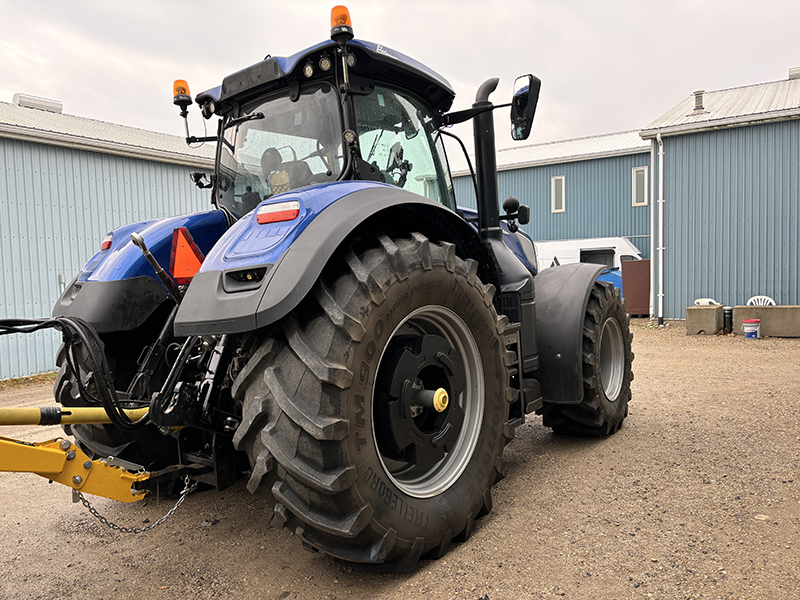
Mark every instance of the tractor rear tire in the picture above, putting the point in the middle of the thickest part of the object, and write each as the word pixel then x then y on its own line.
pixel 607 372
pixel 324 427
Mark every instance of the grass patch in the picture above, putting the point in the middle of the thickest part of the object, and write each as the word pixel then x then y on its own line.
pixel 21 382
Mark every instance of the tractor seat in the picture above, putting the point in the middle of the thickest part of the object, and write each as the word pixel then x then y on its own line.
pixel 283 176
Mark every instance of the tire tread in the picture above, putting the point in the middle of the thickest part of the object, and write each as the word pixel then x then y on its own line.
pixel 299 462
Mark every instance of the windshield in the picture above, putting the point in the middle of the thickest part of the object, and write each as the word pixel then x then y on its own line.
pixel 398 136
pixel 295 144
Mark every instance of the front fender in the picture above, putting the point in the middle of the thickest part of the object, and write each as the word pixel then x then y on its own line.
pixel 562 295
pixel 216 303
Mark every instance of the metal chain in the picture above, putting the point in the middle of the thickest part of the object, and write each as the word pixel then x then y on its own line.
pixel 189 487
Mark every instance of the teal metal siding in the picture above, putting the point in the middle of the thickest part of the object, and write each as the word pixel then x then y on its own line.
pixel 732 204
pixel 56 205
pixel 598 199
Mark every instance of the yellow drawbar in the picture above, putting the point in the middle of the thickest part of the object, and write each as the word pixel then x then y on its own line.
pixel 62 461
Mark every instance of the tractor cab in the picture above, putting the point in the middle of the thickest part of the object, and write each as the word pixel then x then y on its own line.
pixel 280 142
pixel 340 110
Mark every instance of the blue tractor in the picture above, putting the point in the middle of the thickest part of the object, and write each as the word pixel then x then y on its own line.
pixel 334 329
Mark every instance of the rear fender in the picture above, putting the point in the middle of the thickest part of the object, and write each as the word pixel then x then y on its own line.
pixel 287 259
pixel 117 289
pixel 562 295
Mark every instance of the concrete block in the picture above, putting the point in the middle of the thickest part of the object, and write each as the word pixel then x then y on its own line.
pixel 703 319
pixel 776 321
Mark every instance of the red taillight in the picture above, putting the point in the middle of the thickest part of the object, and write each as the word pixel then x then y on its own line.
pixel 278 213
pixel 106 243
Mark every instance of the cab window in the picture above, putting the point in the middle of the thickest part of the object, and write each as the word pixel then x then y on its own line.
pixel 398 136
pixel 280 144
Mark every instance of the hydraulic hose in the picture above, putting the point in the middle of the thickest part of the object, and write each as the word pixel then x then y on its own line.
pixel 76 331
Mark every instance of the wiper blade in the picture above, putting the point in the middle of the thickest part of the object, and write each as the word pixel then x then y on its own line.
pixel 239 120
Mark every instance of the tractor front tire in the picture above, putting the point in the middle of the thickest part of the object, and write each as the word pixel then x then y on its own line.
pixel 338 438
pixel 607 372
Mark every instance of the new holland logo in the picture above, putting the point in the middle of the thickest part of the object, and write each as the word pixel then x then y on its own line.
pixel 381 50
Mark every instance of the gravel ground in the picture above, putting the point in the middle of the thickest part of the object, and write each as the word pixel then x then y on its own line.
pixel 698 496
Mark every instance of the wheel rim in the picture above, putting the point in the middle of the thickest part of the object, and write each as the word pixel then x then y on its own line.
pixel 434 325
pixel 612 359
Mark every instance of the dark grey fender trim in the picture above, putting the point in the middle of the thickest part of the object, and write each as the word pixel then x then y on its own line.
pixel 208 309
pixel 562 295
pixel 108 306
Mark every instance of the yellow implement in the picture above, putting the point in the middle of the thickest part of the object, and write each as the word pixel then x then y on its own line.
pixel 62 461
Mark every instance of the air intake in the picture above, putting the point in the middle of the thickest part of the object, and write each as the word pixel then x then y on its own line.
pixel 28 101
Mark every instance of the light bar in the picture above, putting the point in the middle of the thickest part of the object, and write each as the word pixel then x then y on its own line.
pixel 278 213
pixel 106 243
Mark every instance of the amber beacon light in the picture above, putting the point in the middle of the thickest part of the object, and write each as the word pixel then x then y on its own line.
pixel 181 96
pixel 341 25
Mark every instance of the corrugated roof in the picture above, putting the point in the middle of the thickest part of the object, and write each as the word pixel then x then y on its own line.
pixel 58 129
pixel 585 148
pixel 731 107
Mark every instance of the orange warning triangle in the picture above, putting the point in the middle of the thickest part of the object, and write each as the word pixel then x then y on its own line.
pixel 186 257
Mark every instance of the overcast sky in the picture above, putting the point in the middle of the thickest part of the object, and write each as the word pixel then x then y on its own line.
pixel 606 66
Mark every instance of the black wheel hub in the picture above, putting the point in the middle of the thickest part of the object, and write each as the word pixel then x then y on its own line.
pixel 407 429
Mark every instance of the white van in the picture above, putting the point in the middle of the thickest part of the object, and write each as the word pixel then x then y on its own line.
pixel 609 251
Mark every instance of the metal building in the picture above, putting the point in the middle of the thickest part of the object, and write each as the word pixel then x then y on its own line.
pixel 581 188
pixel 728 196
pixel 65 182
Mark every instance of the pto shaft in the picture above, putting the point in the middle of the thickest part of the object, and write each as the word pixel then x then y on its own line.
pixel 57 415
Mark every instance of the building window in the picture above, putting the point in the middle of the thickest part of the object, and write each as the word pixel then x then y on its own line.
pixel 639 180
pixel 557 194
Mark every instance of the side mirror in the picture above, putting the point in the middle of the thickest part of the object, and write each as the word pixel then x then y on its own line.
pixel 200 180
pixel 523 105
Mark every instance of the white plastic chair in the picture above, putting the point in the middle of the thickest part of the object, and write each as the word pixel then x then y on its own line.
pixel 706 302
pixel 761 301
